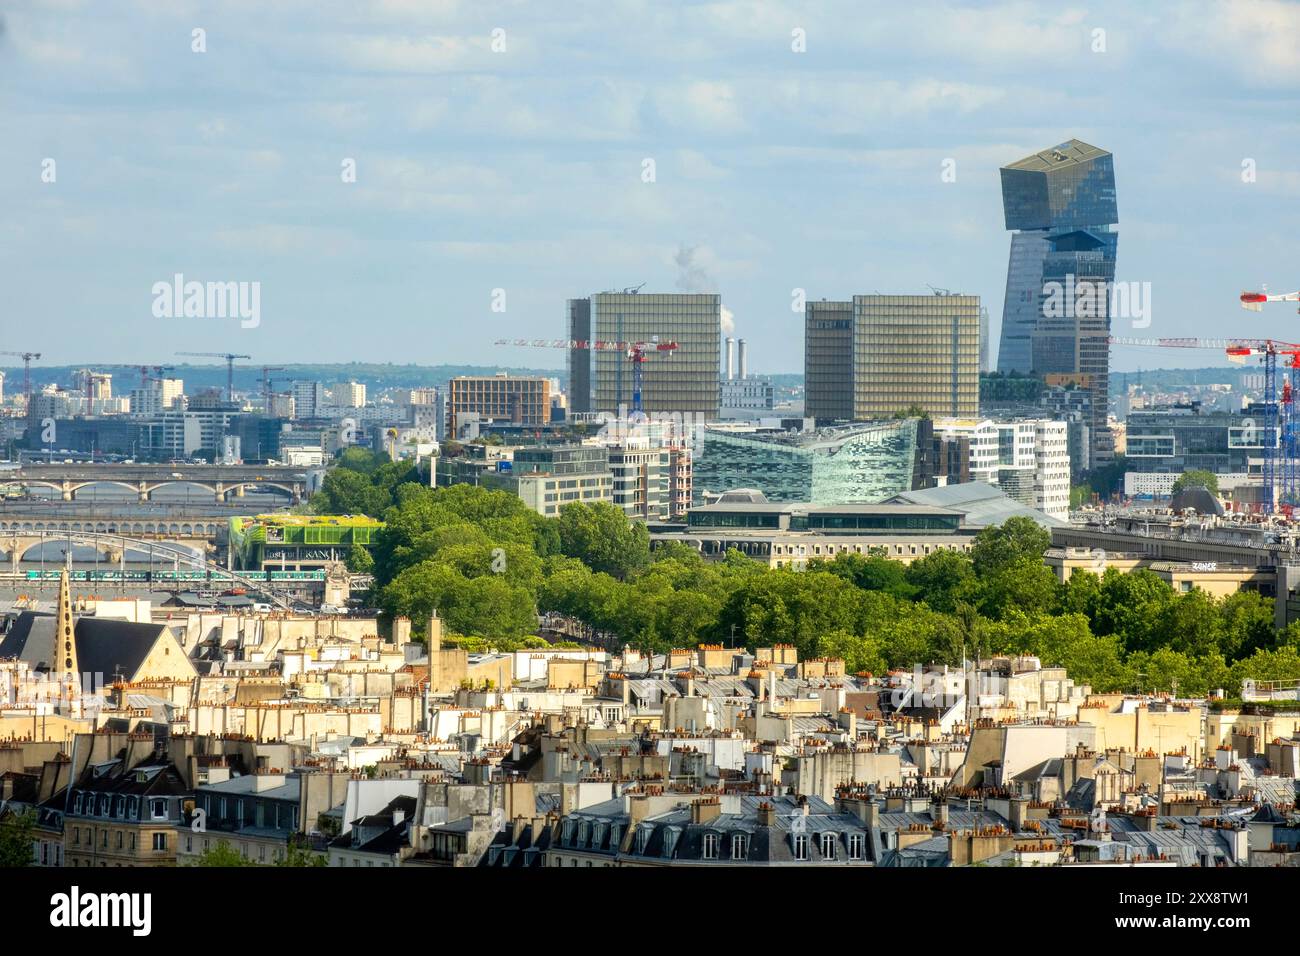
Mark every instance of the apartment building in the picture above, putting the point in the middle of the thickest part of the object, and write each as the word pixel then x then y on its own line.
pixel 1029 459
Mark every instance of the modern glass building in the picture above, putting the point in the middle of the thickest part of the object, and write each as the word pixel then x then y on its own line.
pixel 578 363
pixel 1056 315
pixel 881 354
pixel 1186 438
pixel 861 463
pixel 683 382
pixel 916 350
pixel 828 361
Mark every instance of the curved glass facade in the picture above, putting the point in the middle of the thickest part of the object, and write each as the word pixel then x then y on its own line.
pixel 865 463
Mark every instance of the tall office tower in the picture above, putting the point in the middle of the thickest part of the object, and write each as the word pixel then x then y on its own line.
pixel 918 350
pixel 578 361
pixel 308 399
pixel 684 381
pixel 1056 318
pixel 985 351
pixel 881 354
pixel 828 361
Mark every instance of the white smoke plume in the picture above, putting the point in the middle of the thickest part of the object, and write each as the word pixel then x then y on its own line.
pixel 691 275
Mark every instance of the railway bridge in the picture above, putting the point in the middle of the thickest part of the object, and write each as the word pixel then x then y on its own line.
pixel 222 481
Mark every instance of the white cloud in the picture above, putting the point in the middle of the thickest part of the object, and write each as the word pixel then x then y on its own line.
pixel 1254 38
pixel 706 105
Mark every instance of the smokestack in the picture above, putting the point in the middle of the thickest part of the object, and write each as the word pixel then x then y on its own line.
pixel 744 362
pixel 731 358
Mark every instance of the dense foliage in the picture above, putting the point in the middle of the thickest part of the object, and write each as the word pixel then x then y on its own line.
pixel 16 834
pixel 489 565
pixel 1197 478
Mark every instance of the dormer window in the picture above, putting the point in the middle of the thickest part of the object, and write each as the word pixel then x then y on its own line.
pixel 799 843
pixel 855 846
pixel 828 845
pixel 709 846
pixel 740 846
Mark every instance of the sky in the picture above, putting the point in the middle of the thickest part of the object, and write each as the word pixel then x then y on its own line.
pixel 508 156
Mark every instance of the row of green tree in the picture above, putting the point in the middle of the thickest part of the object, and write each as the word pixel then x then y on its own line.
pixel 488 564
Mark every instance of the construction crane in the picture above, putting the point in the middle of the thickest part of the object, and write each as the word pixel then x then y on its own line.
pixel 1280 434
pixel 27 374
pixel 636 352
pixel 266 386
pixel 230 368
pixel 1254 301
pixel 144 370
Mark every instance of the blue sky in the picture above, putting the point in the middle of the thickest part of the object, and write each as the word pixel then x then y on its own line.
pixel 521 169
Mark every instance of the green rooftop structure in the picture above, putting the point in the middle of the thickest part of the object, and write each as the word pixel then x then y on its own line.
pixel 297 542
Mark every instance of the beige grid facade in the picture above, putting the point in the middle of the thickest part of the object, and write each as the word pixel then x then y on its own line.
pixel 828 360
pixel 685 381
pixel 523 401
pixel 918 350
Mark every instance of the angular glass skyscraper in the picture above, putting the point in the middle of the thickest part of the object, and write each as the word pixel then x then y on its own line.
pixel 1056 315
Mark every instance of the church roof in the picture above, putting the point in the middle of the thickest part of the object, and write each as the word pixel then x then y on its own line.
pixel 106 646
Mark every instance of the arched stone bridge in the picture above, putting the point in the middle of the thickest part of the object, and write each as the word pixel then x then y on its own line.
pixel 15 543
pixel 223 481
pixel 114 546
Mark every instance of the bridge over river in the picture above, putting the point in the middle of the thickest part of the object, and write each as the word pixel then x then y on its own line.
pixel 224 482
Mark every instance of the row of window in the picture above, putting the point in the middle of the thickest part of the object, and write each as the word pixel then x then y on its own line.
pixel 261 813
pixel 121 842
pixel 276 855
pixel 120 807
pixel 712 842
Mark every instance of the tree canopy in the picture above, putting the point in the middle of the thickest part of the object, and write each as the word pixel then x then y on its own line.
pixel 1197 478
pixel 489 565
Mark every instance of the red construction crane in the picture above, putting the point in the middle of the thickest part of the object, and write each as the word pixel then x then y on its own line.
pixel 1280 446
pixel 1254 301
pixel 27 374
pixel 635 351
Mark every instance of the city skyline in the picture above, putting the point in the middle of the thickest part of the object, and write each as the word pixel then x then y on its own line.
pixel 469 161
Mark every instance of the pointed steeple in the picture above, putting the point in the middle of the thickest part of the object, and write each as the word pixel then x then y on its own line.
pixel 66 642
